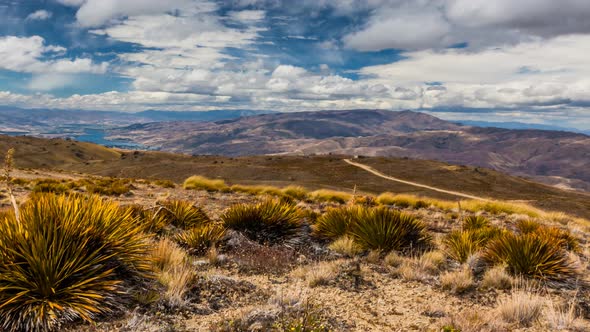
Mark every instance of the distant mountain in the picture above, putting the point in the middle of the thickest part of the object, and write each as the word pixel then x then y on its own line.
pixel 520 125
pixel 56 122
pixel 554 157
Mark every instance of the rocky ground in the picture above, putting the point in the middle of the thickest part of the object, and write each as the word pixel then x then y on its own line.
pixel 244 285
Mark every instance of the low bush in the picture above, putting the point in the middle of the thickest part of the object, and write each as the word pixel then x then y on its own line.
pixel 325 195
pixel 384 229
pixel 201 238
pixel 521 307
pixel 68 258
pixel 532 255
pixel 165 184
pixel 107 186
pixel 53 186
pixel 267 222
pixel 459 281
pixel 198 182
pixel 497 278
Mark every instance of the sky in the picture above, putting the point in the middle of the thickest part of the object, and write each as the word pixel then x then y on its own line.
pixel 502 60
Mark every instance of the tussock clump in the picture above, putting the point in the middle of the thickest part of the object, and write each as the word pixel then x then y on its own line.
pixel 526 226
pixel 107 186
pixel 198 182
pixel 475 222
pixel 165 184
pixel 53 186
pixel 270 221
pixel 295 192
pixel 497 278
pixel 402 200
pixel 335 222
pixel 460 245
pixel 532 255
pixel 459 281
pixel 68 259
pixel 201 238
pixel 167 254
pixel 257 190
pixel 325 195
pixel 182 214
pixel 522 308
pixel 345 246
pixel 384 229
pixel 148 219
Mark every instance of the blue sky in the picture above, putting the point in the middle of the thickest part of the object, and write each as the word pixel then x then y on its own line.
pixel 526 59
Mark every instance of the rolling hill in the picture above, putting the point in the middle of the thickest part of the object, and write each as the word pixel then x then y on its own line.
pixel 314 172
pixel 553 157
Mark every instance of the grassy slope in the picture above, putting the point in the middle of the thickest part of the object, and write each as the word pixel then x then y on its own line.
pixel 313 172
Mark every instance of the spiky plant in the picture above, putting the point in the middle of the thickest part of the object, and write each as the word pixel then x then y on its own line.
pixel 67 259
pixel 460 245
pixel 295 192
pixel 335 222
pixel 183 214
pixel 475 222
pixel 268 222
pixel 562 236
pixel 533 255
pixel 384 230
pixel 200 238
pixel 148 218
pixel 526 226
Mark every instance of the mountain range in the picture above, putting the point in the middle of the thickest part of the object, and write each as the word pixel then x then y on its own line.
pixel 553 157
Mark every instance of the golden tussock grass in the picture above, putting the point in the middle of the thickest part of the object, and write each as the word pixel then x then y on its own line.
pixel 521 308
pixel 326 195
pixel 197 182
pixel 458 281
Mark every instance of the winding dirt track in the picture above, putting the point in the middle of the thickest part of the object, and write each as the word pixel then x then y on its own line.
pixel 415 184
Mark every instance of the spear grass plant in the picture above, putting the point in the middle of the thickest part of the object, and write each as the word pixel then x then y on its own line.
pixel 69 258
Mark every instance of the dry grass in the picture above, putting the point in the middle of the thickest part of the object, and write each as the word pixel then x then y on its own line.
pixel 393 259
pixel 470 320
pixel 257 190
pixel 521 308
pixel 318 274
pixel 197 182
pixel 562 317
pixel 296 192
pixel 172 270
pixel 325 195
pixel 167 254
pixel 458 282
pixel 345 246
pixel 497 278
pixel 403 200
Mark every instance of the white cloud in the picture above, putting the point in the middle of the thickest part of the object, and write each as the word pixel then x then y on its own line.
pixel 406 31
pixel 72 3
pixel 39 15
pixel 48 82
pixel 31 55
pixel 247 16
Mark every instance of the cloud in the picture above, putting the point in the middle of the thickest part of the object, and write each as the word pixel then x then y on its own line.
pixel 31 55
pixel 39 15
pixel 48 82
pixel 96 13
pixel 247 16
pixel 72 3
pixel 400 31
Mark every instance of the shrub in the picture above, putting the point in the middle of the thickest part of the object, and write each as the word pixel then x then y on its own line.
pixel 475 222
pixel 325 195
pixel 335 222
pixel 67 259
pixel 533 255
pixel 182 214
pixel 198 182
pixel 385 230
pixel 200 238
pixel 267 222
pixel 522 308
pixel 458 281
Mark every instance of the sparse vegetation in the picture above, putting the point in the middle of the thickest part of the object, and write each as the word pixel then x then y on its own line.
pixel 402 200
pixel 182 214
pixel 497 278
pixel 336 222
pixel 268 222
pixel 345 246
pixel 198 182
pixel 458 281
pixel 296 192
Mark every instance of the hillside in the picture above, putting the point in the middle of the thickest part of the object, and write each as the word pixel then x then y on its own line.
pixel 553 157
pixel 311 171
